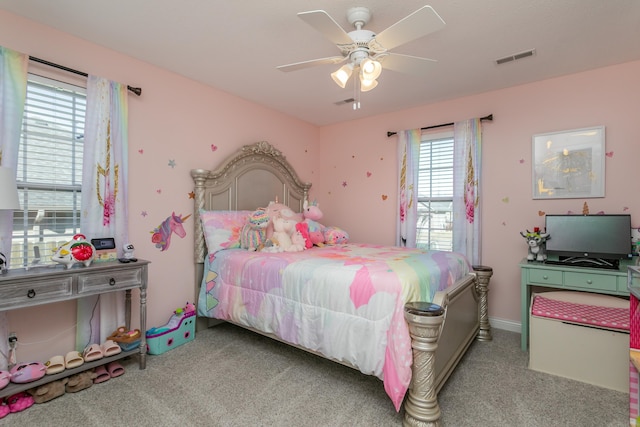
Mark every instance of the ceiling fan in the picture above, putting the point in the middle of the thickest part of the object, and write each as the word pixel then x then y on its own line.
pixel 366 51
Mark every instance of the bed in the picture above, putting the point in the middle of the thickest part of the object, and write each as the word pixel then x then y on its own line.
pixel 404 315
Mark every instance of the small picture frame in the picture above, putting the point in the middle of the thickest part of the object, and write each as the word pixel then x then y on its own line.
pixel 569 164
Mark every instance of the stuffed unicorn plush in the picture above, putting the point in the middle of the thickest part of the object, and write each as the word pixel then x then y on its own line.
pixel 312 214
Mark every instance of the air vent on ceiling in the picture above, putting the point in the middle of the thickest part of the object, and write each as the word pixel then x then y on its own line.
pixel 516 56
pixel 345 101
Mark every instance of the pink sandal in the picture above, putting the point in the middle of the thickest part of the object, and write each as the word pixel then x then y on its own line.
pixel 101 375
pixel 115 369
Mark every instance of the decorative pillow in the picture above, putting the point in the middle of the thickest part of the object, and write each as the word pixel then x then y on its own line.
pixel 335 236
pixel 222 228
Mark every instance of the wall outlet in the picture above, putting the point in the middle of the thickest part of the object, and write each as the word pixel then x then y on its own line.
pixel 13 339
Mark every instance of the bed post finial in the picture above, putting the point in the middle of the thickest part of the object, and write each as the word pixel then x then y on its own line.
pixel 483 274
pixel 425 322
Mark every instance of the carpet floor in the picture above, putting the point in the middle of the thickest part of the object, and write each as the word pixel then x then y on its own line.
pixel 231 377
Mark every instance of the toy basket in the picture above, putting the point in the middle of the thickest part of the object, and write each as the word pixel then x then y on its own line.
pixel 180 329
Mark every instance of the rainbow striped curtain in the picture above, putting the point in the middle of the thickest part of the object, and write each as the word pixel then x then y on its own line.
pixel 409 158
pixel 104 198
pixel 467 166
pixel 13 93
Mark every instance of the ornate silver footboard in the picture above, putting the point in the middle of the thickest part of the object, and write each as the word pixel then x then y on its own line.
pixel 426 323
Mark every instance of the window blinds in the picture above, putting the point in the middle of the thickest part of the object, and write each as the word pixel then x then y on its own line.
pixel 49 172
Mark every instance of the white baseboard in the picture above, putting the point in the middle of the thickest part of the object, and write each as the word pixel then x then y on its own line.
pixel 507 325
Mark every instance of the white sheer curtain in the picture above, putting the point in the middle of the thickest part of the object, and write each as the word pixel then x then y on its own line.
pixel 467 169
pixel 408 158
pixel 13 92
pixel 104 197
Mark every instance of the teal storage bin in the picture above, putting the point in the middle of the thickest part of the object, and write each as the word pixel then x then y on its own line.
pixel 180 329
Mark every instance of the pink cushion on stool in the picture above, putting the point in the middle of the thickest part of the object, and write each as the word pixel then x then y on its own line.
pixel 606 317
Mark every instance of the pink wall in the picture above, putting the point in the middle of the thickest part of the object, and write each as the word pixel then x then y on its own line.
pixel 174 119
pixel 179 119
pixel 608 96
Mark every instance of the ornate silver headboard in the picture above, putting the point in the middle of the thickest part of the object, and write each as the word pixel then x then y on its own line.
pixel 251 178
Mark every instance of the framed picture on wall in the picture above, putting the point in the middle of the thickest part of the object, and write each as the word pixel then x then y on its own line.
pixel 569 164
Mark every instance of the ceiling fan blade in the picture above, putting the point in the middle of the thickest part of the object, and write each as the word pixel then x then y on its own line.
pixel 312 63
pixel 407 64
pixel 326 25
pixel 420 23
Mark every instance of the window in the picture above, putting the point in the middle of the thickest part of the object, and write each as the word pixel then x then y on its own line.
pixel 434 228
pixel 49 172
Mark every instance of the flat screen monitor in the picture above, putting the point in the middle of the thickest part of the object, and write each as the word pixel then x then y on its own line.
pixel 589 236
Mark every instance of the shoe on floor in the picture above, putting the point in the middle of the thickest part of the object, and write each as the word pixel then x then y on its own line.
pixel 101 375
pixel 54 365
pixel 92 352
pixel 4 409
pixel 73 359
pixel 110 348
pixel 115 369
pixel 19 402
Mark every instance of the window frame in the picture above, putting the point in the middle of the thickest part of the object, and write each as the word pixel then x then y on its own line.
pixel 69 111
pixel 444 226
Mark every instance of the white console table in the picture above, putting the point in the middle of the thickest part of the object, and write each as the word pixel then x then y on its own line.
pixel 21 288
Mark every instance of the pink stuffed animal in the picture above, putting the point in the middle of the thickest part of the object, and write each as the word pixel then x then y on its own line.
pixel 312 214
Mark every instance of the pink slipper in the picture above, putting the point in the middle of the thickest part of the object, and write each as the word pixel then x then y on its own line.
pixel 92 352
pixel 19 402
pixel 27 372
pixel 102 375
pixel 115 369
pixel 4 409
pixel 110 348
pixel 5 377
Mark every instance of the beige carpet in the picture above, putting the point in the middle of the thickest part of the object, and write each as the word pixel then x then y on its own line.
pixel 231 377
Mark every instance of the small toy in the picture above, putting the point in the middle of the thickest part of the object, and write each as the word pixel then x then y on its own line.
pixel 27 372
pixel 284 230
pixel 536 241
pixel 80 381
pixel 179 330
pixel 279 210
pixel 303 229
pixel 335 235
pixel 254 232
pixel 49 391
pixel 312 214
pixel 78 250
pixel 128 250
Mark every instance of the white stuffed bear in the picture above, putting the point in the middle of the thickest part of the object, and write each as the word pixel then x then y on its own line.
pixel 284 231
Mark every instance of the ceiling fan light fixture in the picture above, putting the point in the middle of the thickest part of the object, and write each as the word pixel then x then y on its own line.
pixel 341 76
pixel 367 85
pixel 370 69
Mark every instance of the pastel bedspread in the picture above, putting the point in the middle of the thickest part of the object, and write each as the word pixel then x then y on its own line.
pixel 345 301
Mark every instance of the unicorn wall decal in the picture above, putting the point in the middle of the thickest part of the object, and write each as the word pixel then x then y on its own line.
pixel 161 235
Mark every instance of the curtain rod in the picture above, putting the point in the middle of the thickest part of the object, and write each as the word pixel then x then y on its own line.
pixel 136 90
pixel 489 117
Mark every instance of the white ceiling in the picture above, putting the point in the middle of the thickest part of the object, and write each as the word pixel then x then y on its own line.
pixel 236 45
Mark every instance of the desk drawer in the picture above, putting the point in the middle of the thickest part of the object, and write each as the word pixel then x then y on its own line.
pixel 35 292
pixel 599 282
pixel 547 277
pixel 101 282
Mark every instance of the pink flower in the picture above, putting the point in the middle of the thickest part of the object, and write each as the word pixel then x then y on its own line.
pixel 470 202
